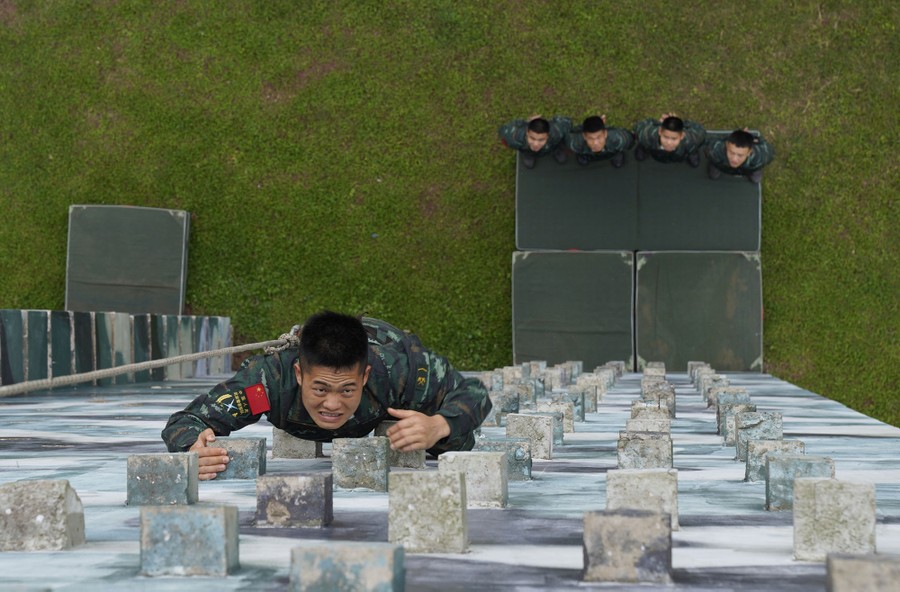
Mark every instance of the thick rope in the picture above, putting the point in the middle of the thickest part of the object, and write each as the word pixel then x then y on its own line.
pixel 47 383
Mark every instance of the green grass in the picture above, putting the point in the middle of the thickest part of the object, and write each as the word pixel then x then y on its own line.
pixel 344 154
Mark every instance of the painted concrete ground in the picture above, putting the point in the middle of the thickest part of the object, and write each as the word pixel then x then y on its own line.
pixel 727 540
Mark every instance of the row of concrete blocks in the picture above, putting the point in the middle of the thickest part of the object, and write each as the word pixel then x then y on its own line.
pixel 557 376
pixel 830 516
pixel 40 344
pixel 426 514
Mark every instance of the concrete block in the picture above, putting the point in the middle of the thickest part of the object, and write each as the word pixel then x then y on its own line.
pixel 783 469
pixel 525 370
pixel 649 410
pixel 727 395
pixel 537 367
pixel 496 380
pixel 284 445
pixel 567 410
pixel 706 381
pixel 195 540
pixel 644 450
pixel 601 380
pixel 627 546
pixel 407 460
pixel 576 368
pixel 644 424
pixel 511 374
pixel 537 429
pixel 662 393
pixel 486 476
pixel 753 425
pixel 655 371
pixel 40 515
pixel 246 457
pixel 655 490
pixel 557 424
pixel 725 419
pixel 347 566
pixel 589 394
pixel 527 391
pixel 506 400
pixel 699 374
pixel 832 516
pixel 301 500
pixel 861 573
pixel 693 366
pixel 162 479
pixel 427 511
pixel 361 462
pixel 518 455
pixel 758 450
pixel 576 398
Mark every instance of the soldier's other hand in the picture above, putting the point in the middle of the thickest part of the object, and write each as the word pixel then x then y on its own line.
pixel 211 461
pixel 415 430
pixel 533 117
pixel 665 116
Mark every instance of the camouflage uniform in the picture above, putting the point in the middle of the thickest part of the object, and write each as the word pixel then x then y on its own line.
pixel 761 154
pixel 617 140
pixel 647 133
pixel 404 375
pixel 512 134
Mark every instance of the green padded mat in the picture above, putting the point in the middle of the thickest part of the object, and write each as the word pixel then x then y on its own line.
pixel 570 206
pixel 126 259
pixel 572 306
pixel 700 306
pixel 639 207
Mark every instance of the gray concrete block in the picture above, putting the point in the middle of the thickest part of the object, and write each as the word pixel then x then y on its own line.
pixel 649 410
pixel 725 420
pixel 301 500
pixel 486 476
pixel 655 371
pixel 782 469
pixel 575 398
pixel 709 381
pixel 576 368
pixel 527 391
pixel 558 418
pixel 644 450
pixel 662 393
pixel 427 511
pixel 407 460
pixel 643 424
pixel 654 490
pixel 756 425
pixel 496 383
pixel 537 429
pixel 693 366
pixel 727 395
pixel 505 401
pixel 511 374
pixel 347 566
pixel 284 445
pixel 40 515
pixel 246 457
pixel 757 450
pixel 361 462
pixel 566 409
pixel 862 572
pixel 832 516
pixel 627 546
pixel 588 393
pixel 517 451
pixel 162 479
pixel 195 540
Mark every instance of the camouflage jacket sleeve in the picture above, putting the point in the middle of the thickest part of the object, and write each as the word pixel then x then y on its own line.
pixel 235 403
pixel 694 136
pixel 424 381
pixel 715 153
pixel 762 154
pixel 646 134
pixel 512 134
pixel 559 127
pixel 618 139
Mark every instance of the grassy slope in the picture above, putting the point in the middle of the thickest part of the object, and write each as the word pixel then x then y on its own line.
pixel 341 154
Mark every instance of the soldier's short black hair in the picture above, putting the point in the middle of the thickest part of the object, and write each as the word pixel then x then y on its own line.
pixel 539 126
pixel 673 124
pixel 740 138
pixel 333 340
pixel 592 124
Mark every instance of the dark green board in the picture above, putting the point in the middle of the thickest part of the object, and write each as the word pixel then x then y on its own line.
pixel 572 306
pixel 12 347
pixel 570 206
pixel 639 207
pixel 700 306
pixel 126 259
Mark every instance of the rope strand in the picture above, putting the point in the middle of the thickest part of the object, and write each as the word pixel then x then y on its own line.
pixel 49 383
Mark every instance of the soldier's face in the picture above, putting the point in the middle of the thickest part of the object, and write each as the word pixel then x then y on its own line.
pixel 736 156
pixel 331 395
pixel 669 140
pixel 596 141
pixel 536 141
